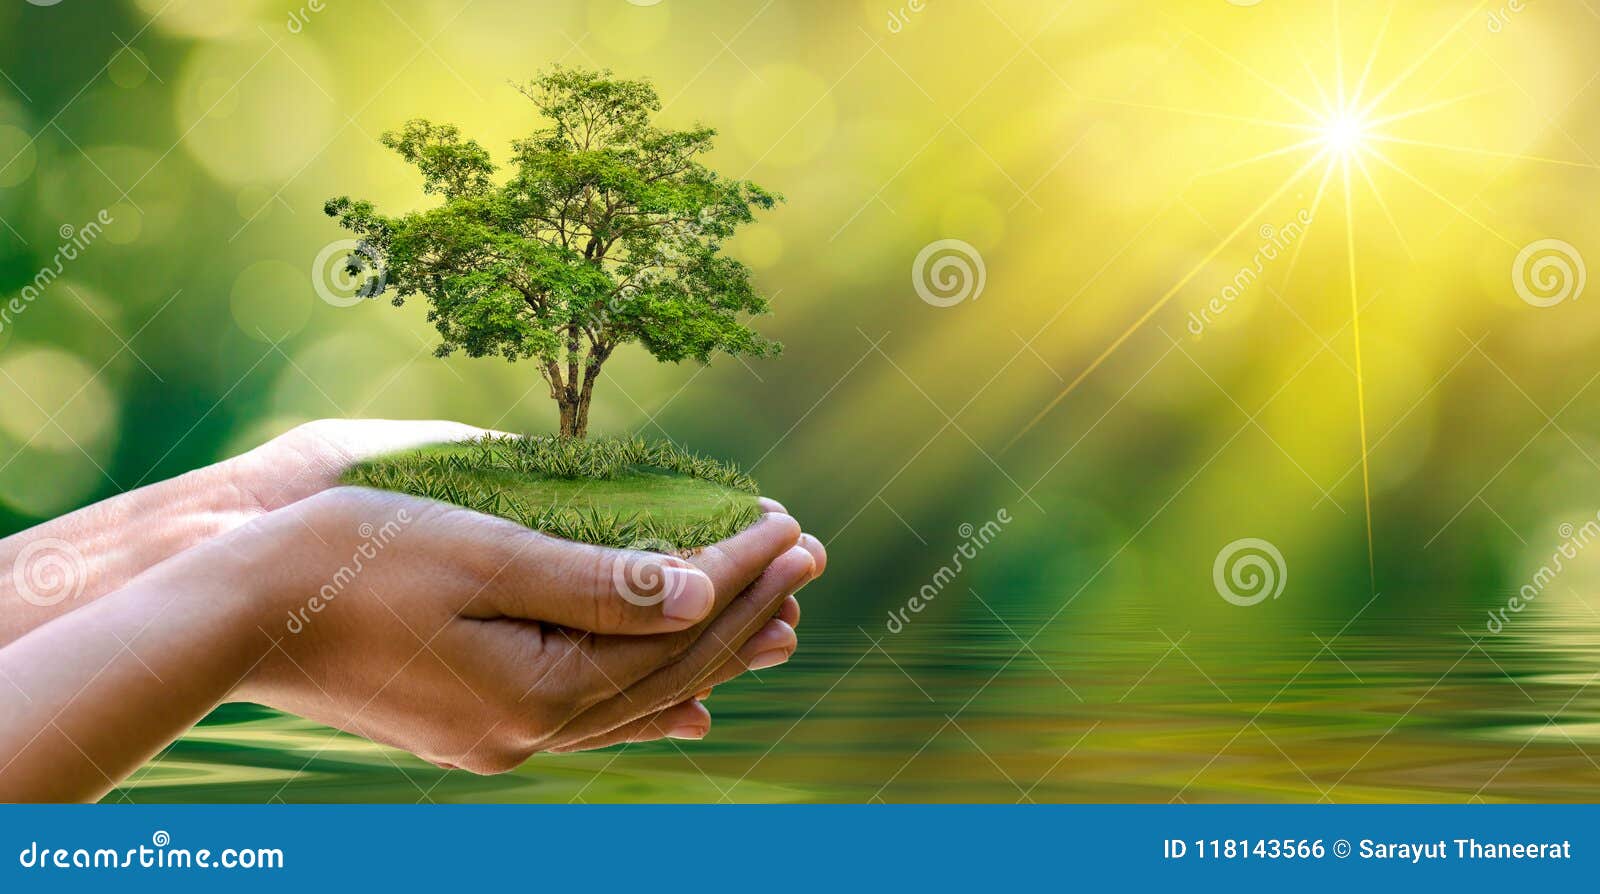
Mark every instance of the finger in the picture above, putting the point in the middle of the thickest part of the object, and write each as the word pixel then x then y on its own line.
pixel 685 720
pixel 367 438
pixel 818 552
pixel 770 505
pixel 734 563
pixel 685 600
pixel 774 645
pixel 790 611
pixel 613 665
pixel 534 577
pixel 319 453
pixel 531 576
pixel 675 681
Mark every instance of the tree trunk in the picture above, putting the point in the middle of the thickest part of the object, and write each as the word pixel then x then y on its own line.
pixel 580 420
pixel 569 418
pixel 591 372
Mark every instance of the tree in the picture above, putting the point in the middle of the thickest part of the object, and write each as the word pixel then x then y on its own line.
pixel 606 230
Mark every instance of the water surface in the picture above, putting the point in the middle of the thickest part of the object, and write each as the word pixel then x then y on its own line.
pixel 1125 709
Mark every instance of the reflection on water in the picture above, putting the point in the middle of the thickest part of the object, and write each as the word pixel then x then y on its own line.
pixel 1095 710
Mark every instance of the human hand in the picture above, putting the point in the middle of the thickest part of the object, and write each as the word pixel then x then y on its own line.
pixel 96 550
pixel 73 560
pixel 474 642
pixel 209 572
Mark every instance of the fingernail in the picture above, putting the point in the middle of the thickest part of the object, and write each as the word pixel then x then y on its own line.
pixel 772 658
pixel 687 731
pixel 770 505
pixel 702 695
pixel 689 593
pixel 818 554
pixel 799 553
pixel 789 612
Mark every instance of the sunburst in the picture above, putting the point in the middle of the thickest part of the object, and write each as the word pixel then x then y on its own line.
pixel 1339 130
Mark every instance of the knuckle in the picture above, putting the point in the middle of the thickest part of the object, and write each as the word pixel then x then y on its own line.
pixel 340 502
pixel 602 568
pixel 536 711
pixel 600 578
pixel 610 611
pixel 501 552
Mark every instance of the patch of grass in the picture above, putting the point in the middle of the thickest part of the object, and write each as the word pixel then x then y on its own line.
pixel 622 492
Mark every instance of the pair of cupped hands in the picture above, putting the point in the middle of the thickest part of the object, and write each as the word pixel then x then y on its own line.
pixel 466 639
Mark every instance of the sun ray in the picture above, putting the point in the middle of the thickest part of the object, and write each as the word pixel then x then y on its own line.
pixel 1294 100
pixel 1161 302
pixel 1316 205
pixel 1354 122
pixel 1273 153
pixel 1372 57
pixel 1378 154
pixel 1361 164
pixel 1411 113
pixel 1305 65
pixel 1338 55
pixel 1423 59
pixel 1487 153
pixel 1361 387
pixel 1203 113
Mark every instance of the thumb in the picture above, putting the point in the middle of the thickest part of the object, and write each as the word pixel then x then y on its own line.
pixel 606 591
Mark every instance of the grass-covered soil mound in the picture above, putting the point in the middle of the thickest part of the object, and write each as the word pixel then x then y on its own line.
pixel 624 492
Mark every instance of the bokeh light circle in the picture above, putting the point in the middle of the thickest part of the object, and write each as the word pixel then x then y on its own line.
pixel 54 399
pixel 128 68
pixel 250 112
pixel 764 115
pixel 202 18
pixel 17 155
pixel 629 27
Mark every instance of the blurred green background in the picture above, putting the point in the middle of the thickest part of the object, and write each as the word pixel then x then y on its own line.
pixel 1114 169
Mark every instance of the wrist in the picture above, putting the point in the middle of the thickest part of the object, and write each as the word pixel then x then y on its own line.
pixel 270 571
pixel 247 586
pixel 80 557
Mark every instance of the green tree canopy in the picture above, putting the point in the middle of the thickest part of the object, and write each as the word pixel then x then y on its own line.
pixel 605 229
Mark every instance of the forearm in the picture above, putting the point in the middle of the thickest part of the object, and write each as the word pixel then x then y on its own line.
pixel 64 564
pixel 71 561
pixel 89 697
